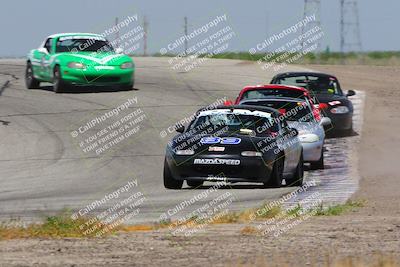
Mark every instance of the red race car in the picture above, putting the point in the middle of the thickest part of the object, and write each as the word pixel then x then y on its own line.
pixel 277 90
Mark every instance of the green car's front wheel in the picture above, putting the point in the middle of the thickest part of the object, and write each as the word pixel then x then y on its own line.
pixel 30 81
pixel 58 83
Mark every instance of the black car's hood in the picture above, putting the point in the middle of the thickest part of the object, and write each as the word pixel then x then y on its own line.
pixel 193 142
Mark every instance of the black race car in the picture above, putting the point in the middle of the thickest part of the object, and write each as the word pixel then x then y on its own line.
pixel 234 144
pixel 328 95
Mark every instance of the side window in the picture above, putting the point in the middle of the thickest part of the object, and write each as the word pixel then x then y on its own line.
pixel 47 45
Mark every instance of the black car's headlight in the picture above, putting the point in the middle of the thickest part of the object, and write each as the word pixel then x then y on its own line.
pixel 251 154
pixel 76 65
pixel 185 152
pixel 127 65
pixel 340 110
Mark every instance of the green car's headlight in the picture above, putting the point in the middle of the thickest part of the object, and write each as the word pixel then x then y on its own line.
pixel 127 65
pixel 76 65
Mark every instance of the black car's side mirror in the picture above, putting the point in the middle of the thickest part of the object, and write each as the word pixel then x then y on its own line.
pixel 350 93
pixel 180 129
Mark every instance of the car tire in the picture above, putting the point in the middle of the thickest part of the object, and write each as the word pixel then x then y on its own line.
pixel 316 165
pixel 128 87
pixel 30 81
pixel 192 183
pixel 169 181
pixel 349 131
pixel 277 174
pixel 298 177
pixel 58 84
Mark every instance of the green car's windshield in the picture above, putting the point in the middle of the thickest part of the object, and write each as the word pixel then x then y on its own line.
pixel 315 84
pixel 83 45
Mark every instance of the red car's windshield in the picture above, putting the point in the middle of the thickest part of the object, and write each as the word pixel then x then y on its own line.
pixel 263 93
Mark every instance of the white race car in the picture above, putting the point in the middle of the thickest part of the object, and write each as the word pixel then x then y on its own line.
pixel 298 114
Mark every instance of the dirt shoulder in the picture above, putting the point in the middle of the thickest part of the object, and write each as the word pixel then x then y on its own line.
pixel 371 230
pixel 380 143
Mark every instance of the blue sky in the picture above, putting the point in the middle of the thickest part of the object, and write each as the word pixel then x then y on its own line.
pixel 24 24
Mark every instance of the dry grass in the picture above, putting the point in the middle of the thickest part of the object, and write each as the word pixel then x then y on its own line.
pixel 335 210
pixel 59 226
pixel 374 261
pixel 63 226
pixel 354 262
pixel 138 227
pixel 249 230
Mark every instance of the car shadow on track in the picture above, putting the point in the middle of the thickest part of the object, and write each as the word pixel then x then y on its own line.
pixel 234 186
pixel 88 89
pixel 340 134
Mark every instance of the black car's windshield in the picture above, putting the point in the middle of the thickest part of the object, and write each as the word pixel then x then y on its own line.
pixel 83 45
pixel 315 84
pixel 229 123
pixel 263 93
pixel 292 111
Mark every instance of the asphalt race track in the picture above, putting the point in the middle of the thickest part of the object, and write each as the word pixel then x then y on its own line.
pixel 44 169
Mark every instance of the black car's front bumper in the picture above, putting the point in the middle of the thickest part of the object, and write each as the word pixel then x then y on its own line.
pixel 340 121
pixel 250 169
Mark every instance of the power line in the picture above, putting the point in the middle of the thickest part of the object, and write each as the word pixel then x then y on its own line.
pixel 186 33
pixel 117 32
pixel 145 30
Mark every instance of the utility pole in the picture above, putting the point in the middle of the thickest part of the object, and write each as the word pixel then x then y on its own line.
pixel 350 38
pixel 116 33
pixel 186 33
pixel 145 30
pixel 312 7
pixel 267 24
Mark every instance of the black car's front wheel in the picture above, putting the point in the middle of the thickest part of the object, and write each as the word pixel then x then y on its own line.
pixel 169 181
pixel 277 174
pixel 30 81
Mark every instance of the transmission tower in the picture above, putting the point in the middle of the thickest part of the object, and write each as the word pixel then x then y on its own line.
pixel 350 39
pixel 311 8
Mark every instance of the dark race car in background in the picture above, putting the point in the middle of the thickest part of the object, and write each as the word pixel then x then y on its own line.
pixel 328 95
pixel 234 144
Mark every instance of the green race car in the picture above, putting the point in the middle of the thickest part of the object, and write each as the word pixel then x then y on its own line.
pixel 78 59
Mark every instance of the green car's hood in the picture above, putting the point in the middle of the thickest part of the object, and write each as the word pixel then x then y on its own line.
pixel 93 59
